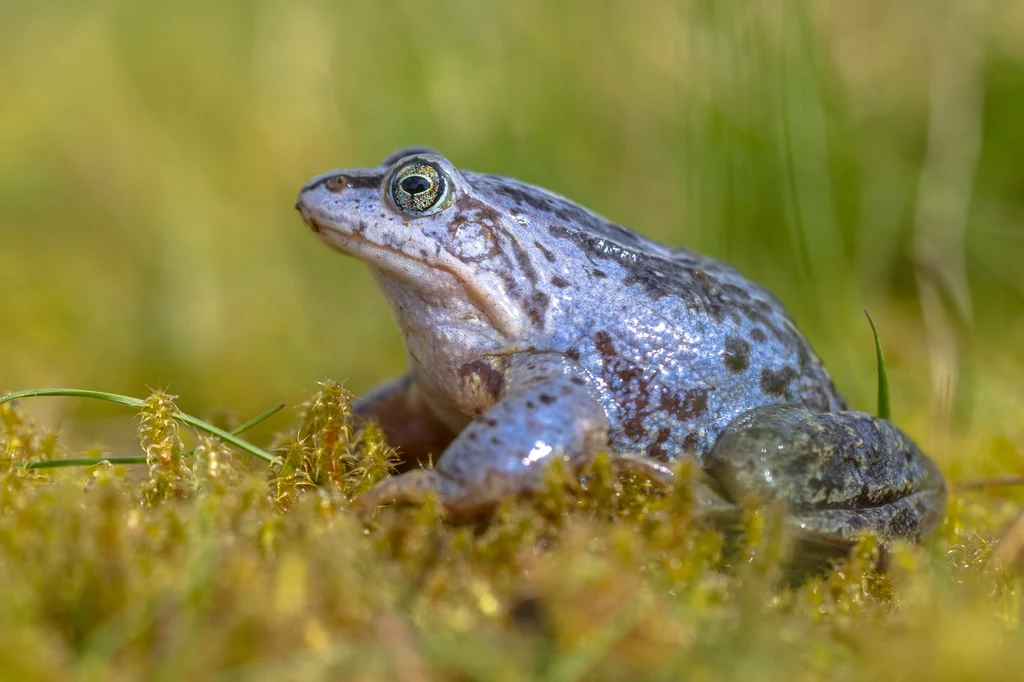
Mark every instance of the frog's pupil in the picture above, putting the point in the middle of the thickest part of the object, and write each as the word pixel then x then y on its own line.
pixel 415 184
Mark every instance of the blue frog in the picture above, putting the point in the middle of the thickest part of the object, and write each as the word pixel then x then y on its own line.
pixel 537 329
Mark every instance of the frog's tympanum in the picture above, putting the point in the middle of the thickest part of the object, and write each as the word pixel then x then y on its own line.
pixel 537 329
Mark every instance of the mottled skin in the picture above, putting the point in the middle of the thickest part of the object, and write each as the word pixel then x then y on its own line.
pixel 537 329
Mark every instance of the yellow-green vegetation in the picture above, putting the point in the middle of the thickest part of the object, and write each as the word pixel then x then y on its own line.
pixel 200 567
pixel 847 155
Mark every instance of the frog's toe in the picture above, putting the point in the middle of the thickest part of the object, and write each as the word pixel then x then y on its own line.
pixel 412 487
pixel 416 487
pixel 840 473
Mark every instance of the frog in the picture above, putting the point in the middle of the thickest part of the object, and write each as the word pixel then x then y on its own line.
pixel 537 331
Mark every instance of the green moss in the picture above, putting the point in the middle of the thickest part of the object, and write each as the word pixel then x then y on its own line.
pixel 207 567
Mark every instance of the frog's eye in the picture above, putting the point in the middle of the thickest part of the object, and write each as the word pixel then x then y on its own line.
pixel 420 188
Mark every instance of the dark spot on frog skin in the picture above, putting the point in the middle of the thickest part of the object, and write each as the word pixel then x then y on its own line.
pixel 546 399
pixel 547 254
pixel 691 442
pixel 573 354
pixel 600 274
pixel 524 262
pixel 604 345
pixel 758 335
pixel 656 450
pixel 534 302
pixel 738 293
pixel 559 282
pixel 538 305
pixel 491 380
pixel 693 404
pixel 776 382
pixel 578 381
pixel 629 382
pixel 737 354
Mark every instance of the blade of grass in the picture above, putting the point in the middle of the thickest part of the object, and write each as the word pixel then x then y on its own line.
pixel 994 482
pixel 141 459
pixel 138 404
pixel 883 376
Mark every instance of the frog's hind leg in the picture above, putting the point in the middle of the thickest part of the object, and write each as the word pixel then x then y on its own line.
pixel 840 473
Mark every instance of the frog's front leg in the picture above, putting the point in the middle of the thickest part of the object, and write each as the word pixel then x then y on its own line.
pixel 408 422
pixel 544 412
pixel 840 473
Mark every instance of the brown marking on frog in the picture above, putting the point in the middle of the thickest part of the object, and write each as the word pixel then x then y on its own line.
pixel 737 354
pixel 547 254
pixel 491 380
pixel 738 293
pixel 559 282
pixel 537 306
pixel 693 404
pixel 604 345
pixel 776 382
pixel 656 449
pixel 523 284
pixel 627 380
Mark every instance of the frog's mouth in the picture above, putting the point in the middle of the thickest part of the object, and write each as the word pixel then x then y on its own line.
pixel 443 279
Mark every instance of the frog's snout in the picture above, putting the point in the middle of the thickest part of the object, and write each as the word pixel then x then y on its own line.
pixel 306 217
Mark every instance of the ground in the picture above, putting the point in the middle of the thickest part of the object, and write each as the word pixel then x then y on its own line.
pixel 208 566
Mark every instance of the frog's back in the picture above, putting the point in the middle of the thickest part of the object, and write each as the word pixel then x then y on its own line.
pixel 676 344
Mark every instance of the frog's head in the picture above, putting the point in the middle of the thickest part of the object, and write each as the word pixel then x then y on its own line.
pixel 451 241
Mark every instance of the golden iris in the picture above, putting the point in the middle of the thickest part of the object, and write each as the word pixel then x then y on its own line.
pixel 420 188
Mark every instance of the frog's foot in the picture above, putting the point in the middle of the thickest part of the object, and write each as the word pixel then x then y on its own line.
pixel 840 473
pixel 711 505
pixel 412 487
pixel 654 471
pixel 545 413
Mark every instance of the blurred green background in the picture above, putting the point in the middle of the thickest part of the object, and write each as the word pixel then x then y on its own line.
pixel 845 154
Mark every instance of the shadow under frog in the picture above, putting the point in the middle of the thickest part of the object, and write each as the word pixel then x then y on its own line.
pixel 536 329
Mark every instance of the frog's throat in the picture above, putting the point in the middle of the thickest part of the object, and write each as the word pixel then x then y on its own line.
pixel 503 315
